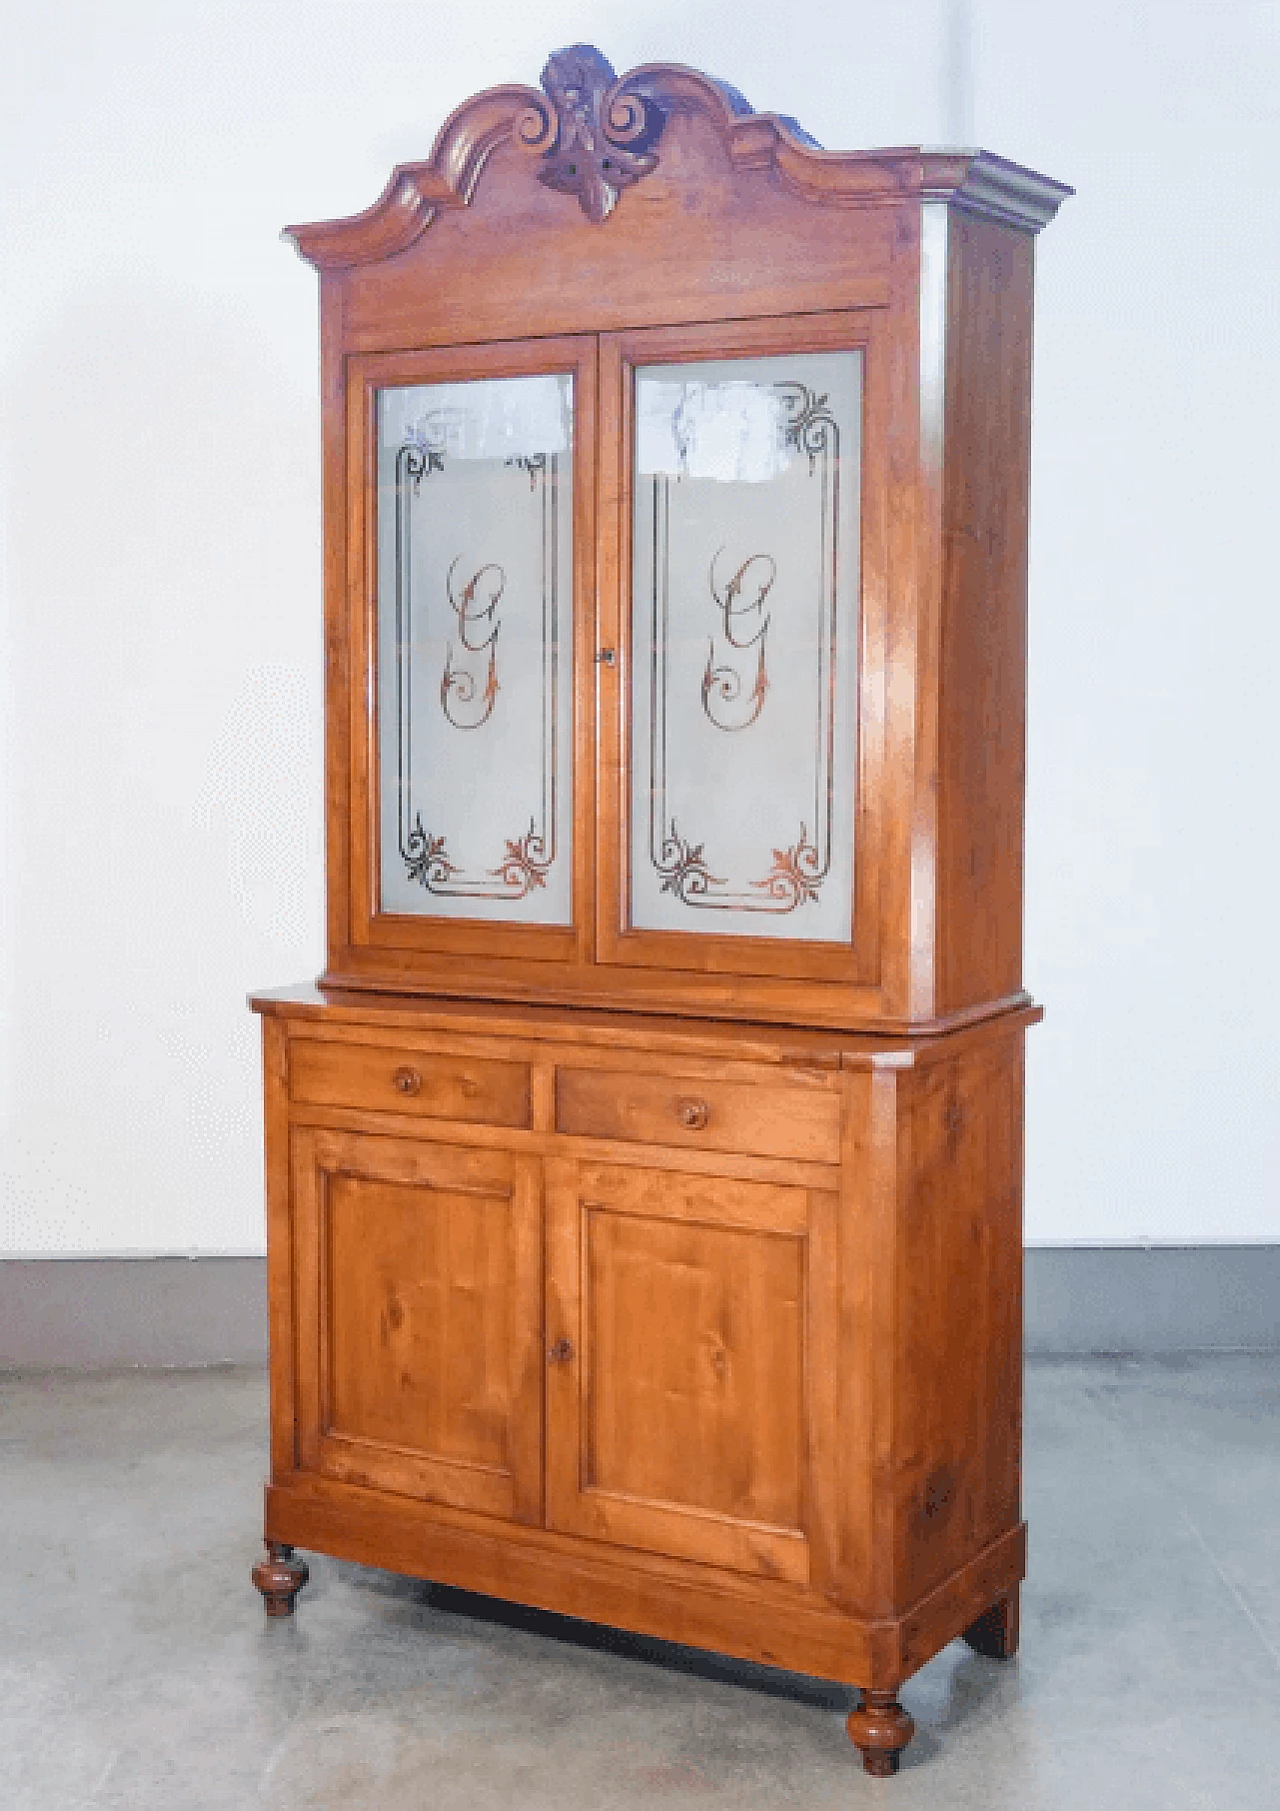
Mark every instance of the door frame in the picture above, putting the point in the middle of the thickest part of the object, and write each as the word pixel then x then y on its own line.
pixel 407 934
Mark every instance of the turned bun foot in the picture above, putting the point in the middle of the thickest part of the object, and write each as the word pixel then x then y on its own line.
pixel 995 1633
pixel 881 1729
pixel 280 1577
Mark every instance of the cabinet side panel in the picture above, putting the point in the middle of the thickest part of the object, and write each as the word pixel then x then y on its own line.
pixel 280 1314
pixel 982 681
pixel 868 1247
pixel 958 1383
pixel 337 699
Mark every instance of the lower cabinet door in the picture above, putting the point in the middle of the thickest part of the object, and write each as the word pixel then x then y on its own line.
pixel 691 1390
pixel 418 1270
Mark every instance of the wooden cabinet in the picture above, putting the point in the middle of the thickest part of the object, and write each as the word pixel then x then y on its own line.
pixel 644 1172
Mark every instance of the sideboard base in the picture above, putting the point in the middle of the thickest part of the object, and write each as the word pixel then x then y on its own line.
pixel 773 1624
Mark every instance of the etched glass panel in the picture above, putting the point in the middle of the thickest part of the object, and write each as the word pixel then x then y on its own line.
pixel 745 646
pixel 475 706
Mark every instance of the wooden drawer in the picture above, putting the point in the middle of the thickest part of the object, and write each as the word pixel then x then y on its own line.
pixel 759 1121
pixel 385 1080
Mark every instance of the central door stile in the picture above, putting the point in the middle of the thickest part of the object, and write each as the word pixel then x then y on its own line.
pixel 562 1336
pixel 612 668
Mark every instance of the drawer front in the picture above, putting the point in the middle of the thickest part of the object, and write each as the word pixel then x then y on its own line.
pixel 759 1121
pixel 384 1080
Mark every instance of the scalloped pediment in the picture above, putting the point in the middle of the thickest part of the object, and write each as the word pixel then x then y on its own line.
pixel 591 135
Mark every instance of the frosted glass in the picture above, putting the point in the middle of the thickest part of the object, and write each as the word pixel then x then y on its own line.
pixel 475 704
pixel 745 646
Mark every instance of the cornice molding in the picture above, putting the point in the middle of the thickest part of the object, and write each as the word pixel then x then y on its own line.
pixel 982 183
pixel 592 135
pixel 417 192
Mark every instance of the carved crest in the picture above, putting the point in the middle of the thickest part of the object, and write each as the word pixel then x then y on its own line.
pixel 604 131
pixel 591 134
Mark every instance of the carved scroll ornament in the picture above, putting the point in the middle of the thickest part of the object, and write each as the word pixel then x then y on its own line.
pixel 594 134
pixel 603 131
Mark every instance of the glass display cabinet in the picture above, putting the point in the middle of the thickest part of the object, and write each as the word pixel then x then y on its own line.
pixel 644 1170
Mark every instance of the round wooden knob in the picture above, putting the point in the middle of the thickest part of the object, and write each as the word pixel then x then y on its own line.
pixel 406 1081
pixel 561 1352
pixel 693 1113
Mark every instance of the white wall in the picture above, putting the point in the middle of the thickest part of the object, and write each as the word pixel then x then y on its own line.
pixel 158 456
pixel 1153 884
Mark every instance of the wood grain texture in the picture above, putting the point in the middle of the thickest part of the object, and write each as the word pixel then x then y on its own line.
pixel 755 1619
pixel 957 1391
pixel 704 1115
pixel 337 612
pixel 666 1280
pixel 611 1035
pixel 280 1245
pixel 279 1577
pixel 727 245
pixel 769 1620
pixel 420 1318
pixel 781 1418
pixel 983 644
pixel 697 241
pixel 693 1335
pixel 881 1729
pixel 384 1079
pixel 534 124
pixel 679 1424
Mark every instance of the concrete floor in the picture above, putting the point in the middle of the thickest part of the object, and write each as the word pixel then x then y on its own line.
pixel 137 1670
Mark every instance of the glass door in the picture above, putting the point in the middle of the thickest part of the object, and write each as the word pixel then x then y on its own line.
pixel 478 559
pixel 734 827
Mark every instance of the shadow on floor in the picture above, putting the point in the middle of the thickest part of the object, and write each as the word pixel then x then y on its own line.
pixel 591 1637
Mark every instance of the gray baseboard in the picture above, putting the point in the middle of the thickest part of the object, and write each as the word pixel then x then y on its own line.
pixel 91 1314
pixel 1162 1298
pixel 100 1314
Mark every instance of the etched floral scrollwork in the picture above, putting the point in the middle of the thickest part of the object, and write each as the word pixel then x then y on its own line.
pixel 810 425
pixel 525 864
pixel 426 858
pixel 796 874
pixel 683 867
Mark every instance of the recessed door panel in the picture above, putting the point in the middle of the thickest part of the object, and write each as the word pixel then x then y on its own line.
pixel 421 1320
pixel 716 1311
pixel 683 1417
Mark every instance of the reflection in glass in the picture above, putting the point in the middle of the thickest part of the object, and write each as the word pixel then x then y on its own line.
pixel 745 642
pixel 475 578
